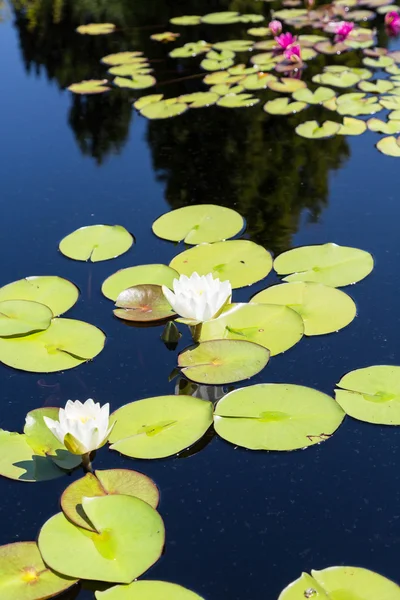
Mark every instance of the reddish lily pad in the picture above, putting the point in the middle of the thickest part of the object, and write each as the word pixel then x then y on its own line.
pixel 143 303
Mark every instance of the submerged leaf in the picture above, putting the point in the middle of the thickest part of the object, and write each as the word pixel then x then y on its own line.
pixel 96 243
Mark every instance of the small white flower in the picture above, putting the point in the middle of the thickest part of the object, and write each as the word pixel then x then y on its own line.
pixel 198 298
pixel 82 428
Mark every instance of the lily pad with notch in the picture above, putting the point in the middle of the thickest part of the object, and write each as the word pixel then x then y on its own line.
pixel 352 126
pixel 283 106
pixel 389 146
pixel 390 127
pixel 90 86
pixel 19 317
pixel 321 94
pixel 314 131
pixel 55 292
pixel 96 243
pixel 136 82
pixel 155 274
pixel 164 109
pixel 148 590
pixel 145 303
pixel 121 58
pixel 199 99
pixel 238 101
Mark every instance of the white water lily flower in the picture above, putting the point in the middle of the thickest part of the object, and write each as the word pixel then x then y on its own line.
pixel 82 428
pixel 198 298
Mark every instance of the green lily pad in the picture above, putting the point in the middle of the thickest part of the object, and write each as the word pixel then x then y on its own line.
pixel 19 317
pixel 96 29
pixel 259 31
pixel 148 590
pixel 222 77
pixel 383 10
pixel 251 18
pixel 52 291
pixel 378 63
pixel 359 15
pixel 143 303
pixel 24 576
pixel 199 99
pixel 64 345
pixel 342 79
pixel 390 102
pixel 371 394
pixel 311 40
pixel 121 58
pixel 360 72
pixel 221 18
pixel 128 540
pixel 283 106
pixel 217 362
pixel 357 104
pixel 210 64
pixel 352 126
pixel 165 109
pixel 161 426
pixel 321 94
pixel 314 131
pixel 394 115
pixel 379 126
pixel 239 261
pixel 389 146
pixel 272 416
pixel 103 483
pixel 96 243
pixel 257 81
pixel 234 45
pixel 330 264
pixel 150 99
pixel 393 69
pixel 19 461
pixel 323 309
pixel 289 13
pixel 222 89
pixel 237 101
pixel 277 328
pixel 43 442
pixel 190 49
pixel 186 20
pixel 286 85
pixel 89 86
pixel 140 275
pixel 130 70
pixel 138 82
pixel 327 47
pixel 199 223
pixel 380 86
pixel 342 582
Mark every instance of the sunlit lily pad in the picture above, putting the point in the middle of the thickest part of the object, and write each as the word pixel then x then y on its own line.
pixel 103 483
pixel 378 63
pixel 390 102
pixel 24 576
pixel 18 317
pixel 96 29
pixel 345 582
pixel 313 130
pixel 379 126
pixel 389 146
pixel 277 328
pixel 240 261
pixel 137 82
pixel 148 590
pixel 360 72
pixel 234 45
pixel 218 362
pixel 215 61
pixel 323 309
pixel 357 104
pixel 56 293
pixel 186 20
pixel 221 18
pixel 342 79
pixel 64 345
pixel 321 94
pixel 128 540
pixel 237 101
pixel 283 106
pixel 121 58
pixel 286 85
pixel 359 15
pixel 161 426
pixel 251 18
pixel 199 223
pixel 223 77
pixel 190 49
pixel 140 275
pixel 289 13
pixel 144 303
pixel 277 417
pixel 327 47
pixel 352 126
pixel 165 109
pixel 259 31
pixel 130 69
pixel 394 115
pixel 380 86
pixel 257 81
pixel 383 10
pixel 90 86
pixel 145 100
pixel 330 264
pixel 222 89
pixel 393 69
pixel 165 37
pixel 371 394
pixel 96 243
pixel 199 99
pixel 310 40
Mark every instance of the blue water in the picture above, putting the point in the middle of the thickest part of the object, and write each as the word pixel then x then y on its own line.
pixel 240 524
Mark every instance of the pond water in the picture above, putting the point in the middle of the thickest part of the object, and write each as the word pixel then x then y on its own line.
pixel 240 524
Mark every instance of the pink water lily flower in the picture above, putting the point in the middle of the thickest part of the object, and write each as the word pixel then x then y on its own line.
pixel 342 30
pixel 285 40
pixel 392 22
pixel 293 53
pixel 275 27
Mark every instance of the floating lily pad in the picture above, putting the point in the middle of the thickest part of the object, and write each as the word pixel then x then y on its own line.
pixel 103 483
pixel 160 427
pixel 135 69
pixel 379 126
pixel 186 20
pixel 289 13
pixel 215 64
pixel 390 102
pixel 148 590
pixel 251 18
pixel 371 394
pixel 283 106
pixel 389 146
pixel 18 317
pixel 221 18
pixel 137 82
pixel 90 86
pixel 394 115
pixel 121 58
pixel 321 94
pixel 222 89
pixel 259 31
pixel 140 275
pixel 64 345
pixel 357 104
pixel 43 442
pixel 199 99
pixel 330 264
pixel 96 29
pixel 327 47
pixel 277 328
pixel 352 126
pixel 24 576
pixel 237 101
pixel 128 540
pixel 286 85
pixel 380 86
pixel 323 309
pixel 348 582
pixel 393 69
pixel 19 461
pixel 218 362
pixel 96 243
pixel 165 109
pixel 239 261
pixel 199 223
pixel 272 416
pixel 144 303
pixel 190 49
pixel 310 40
pixel 342 79
pixel 234 45
pixel 257 81
pixel 378 63
pixel 151 98
pixel 314 131
pixel 165 37
pixel 56 293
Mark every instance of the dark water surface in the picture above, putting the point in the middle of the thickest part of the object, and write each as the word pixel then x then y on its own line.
pixel 240 524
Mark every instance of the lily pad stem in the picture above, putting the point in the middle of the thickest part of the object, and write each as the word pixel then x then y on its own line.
pixel 195 330
pixel 86 463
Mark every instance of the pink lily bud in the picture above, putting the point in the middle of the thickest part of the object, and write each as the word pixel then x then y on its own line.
pixel 285 39
pixel 293 53
pixel 392 22
pixel 342 30
pixel 275 27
